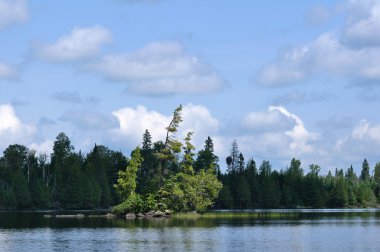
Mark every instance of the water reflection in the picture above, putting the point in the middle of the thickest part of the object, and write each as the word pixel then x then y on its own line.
pixel 16 220
pixel 302 230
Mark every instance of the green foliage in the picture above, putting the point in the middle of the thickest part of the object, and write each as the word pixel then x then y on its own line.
pixel 186 193
pixel 40 194
pixel 126 183
pixel 133 204
pixel 90 193
pixel 243 199
pixel 160 177
pixel 21 191
pixel 225 200
pixel 365 171
pixel 7 197
pixel 206 159
pixel 365 195
pixel 188 160
pixel 150 203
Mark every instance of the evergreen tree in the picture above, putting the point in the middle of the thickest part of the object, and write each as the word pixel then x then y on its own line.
pixel 377 173
pixel 252 179
pixel 126 183
pixel 206 159
pixel 241 163
pixel 243 196
pixel 188 160
pixel 233 159
pixel 146 171
pixel 365 171
pixel 225 200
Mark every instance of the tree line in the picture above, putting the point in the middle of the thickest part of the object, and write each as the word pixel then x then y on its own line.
pixel 170 174
pixel 246 185
pixel 160 175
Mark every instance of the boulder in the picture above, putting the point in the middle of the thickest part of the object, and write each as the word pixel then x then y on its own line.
pixel 150 213
pixel 168 212
pixel 140 215
pixel 158 214
pixel 130 216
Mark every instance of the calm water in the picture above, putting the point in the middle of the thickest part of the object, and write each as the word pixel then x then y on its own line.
pixel 293 230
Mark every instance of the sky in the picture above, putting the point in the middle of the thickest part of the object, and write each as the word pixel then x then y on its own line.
pixel 286 79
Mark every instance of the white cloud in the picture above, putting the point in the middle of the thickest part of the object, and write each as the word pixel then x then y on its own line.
pixel 12 130
pixel 362 142
pixel 271 120
pixel 134 121
pixel 159 69
pixel 363 24
pixel 45 147
pixel 7 71
pixel 276 135
pixel 12 11
pixel 299 134
pixel 80 44
pixel 326 55
pixel 352 54
pixel 366 131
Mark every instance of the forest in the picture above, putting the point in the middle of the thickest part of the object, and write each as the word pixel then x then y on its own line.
pixel 170 174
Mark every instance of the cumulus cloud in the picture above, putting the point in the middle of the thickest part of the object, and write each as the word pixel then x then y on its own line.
pixel 12 130
pixel 276 133
pixel 45 147
pixel 353 54
pixel 12 11
pixel 134 121
pixel 80 44
pixel 299 134
pixel 363 141
pixel 159 69
pixel 362 28
pixel 7 72
pixel 272 120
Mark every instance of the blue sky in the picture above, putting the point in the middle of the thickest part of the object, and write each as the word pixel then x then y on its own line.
pixel 285 79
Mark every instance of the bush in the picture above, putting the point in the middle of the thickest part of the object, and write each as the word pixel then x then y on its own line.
pixel 133 204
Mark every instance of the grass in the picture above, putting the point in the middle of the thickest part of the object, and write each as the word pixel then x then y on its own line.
pixel 238 215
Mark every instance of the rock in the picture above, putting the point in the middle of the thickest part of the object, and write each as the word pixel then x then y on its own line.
pixel 158 214
pixel 150 213
pixel 109 215
pixel 130 216
pixel 168 212
pixel 70 216
pixel 140 215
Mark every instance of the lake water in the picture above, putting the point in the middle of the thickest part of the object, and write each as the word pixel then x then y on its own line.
pixel 288 230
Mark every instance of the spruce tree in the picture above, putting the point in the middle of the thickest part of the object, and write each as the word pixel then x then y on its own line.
pixel 365 171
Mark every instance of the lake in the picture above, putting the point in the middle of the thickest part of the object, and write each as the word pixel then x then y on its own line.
pixel 259 230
